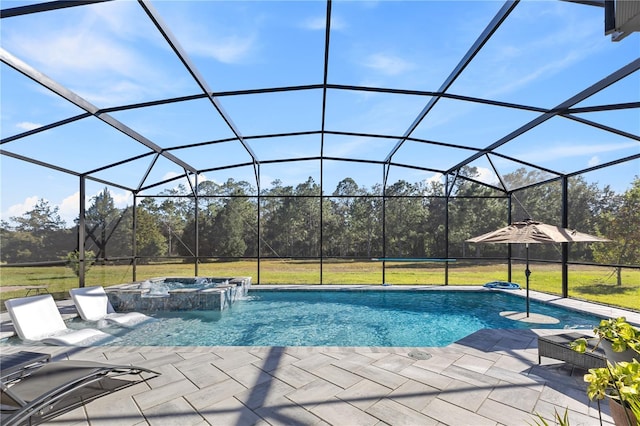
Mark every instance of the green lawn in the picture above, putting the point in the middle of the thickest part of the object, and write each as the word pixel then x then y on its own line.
pixel 594 284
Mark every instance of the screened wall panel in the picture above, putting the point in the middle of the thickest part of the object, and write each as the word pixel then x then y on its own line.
pixel 108 222
pixel 346 271
pixel 289 271
pixel 414 273
pixel 352 227
pixel 290 227
pixel 303 139
pixel 406 222
pixel 469 217
pixel 227 227
pixel 46 231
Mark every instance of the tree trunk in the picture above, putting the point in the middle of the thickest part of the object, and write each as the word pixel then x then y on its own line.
pixel 619 276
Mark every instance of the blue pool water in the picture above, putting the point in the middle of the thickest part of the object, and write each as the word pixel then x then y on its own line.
pixel 344 318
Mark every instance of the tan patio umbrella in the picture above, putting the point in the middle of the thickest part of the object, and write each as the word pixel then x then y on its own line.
pixel 532 232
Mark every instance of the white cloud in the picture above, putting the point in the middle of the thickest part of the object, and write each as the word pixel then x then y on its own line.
pixel 116 17
pixel 84 52
pixel 229 50
pixel 487 176
pixel 537 72
pixel 17 210
pixel 387 64
pixel 337 23
pixel 94 53
pixel 519 61
pixel 27 125
pixel 222 42
pixel 319 23
pixel 436 177
pixel 120 92
pixel 201 178
pixel 69 208
pixel 121 199
pixel 594 161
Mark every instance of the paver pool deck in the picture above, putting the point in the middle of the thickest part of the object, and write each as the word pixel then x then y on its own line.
pixel 491 377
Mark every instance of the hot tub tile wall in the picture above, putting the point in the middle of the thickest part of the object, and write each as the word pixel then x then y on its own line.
pixel 130 297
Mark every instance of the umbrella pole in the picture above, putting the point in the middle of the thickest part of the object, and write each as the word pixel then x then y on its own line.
pixel 527 272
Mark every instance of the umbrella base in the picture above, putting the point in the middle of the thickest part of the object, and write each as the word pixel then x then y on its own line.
pixel 532 318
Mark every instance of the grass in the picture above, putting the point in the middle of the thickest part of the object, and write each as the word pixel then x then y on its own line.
pixel 595 284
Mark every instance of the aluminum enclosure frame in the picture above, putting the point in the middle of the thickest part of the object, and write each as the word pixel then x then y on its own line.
pixel 566 109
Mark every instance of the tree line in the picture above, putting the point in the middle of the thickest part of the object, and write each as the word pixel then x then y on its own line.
pixel 411 220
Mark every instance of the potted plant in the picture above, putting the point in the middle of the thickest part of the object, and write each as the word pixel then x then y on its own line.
pixel 619 381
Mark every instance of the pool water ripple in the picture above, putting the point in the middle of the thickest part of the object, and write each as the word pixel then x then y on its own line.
pixel 344 318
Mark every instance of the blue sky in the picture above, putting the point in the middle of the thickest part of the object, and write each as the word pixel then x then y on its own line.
pixel 110 54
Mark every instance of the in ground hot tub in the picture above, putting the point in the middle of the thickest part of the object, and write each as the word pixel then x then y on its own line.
pixel 178 294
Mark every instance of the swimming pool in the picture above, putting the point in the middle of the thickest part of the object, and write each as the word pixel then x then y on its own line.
pixel 343 318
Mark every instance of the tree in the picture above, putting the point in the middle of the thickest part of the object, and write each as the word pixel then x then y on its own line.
pixel 622 227
pixel 340 222
pixel 541 202
pixel 226 221
pixel 174 212
pixel 20 247
pixel 367 215
pixel 228 229
pixel 42 218
pixel 406 218
pixel 39 235
pixel 473 209
pixel 150 242
pixel 583 211
pixel 102 222
pixel 290 219
pixel 73 261
pixel 304 213
pixel 273 220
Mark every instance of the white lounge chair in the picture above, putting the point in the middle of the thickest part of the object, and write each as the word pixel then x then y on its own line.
pixel 37 318
pixel 93 304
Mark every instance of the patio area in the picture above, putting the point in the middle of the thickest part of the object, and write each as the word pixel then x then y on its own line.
pixel 491 377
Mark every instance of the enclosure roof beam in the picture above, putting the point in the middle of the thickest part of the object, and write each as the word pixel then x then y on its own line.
pixel 602 127
pixel 603 165
pixel 44 7
pixel 44 128
pixel 495 23
pixel 38 162
pixel 108 183
pixel 85 105
pixel 621 73
pixel 325 73
pixel 600 108
pixel 60 169
pixel 526 163
pixel 119 163
pixel 191 68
